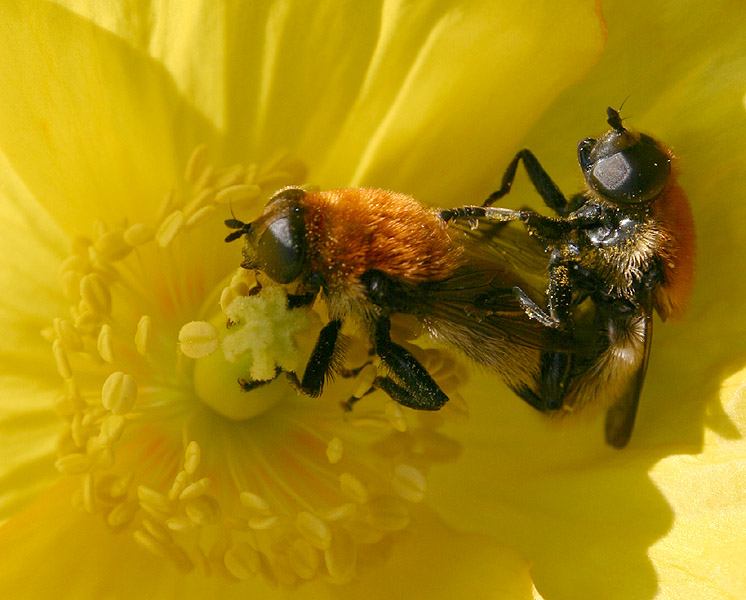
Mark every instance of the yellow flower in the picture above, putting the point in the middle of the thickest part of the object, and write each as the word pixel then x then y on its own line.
pixel 133 463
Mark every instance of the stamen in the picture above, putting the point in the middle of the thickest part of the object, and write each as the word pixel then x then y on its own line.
pixel 167 205
pixel 264 523
pixel 112 428
pixel 181 481
pixel 388 513
pixel 68 405
pixel 255 503
pixel 196 489
pixel 409 483
pixel 73 464
pixel 122 514
pixel 148 542
pixel 157 531
pixel 303 559
pixel 153 499
pixel 169 228
pixel 138 234
pixel 236 194
pixel 70 284
pixel 105 344
pixel 69 336
pixel 112 246
pixel 340 557
pixel 196 164
pixel 203 200
pixel 151 355
pixel 334 450
pixel 179 524
pixel 203 510
pixel 198 339
pixel 353 488
pixel 60 357
pixel 231 176
pixel 242 561
pixel 314 530
pixel 199 216
pixel 343 512
pixel 395 415
pixel 95 294
pixel 205 179
pixel 142 335
pixel 192 457
pixel 119 393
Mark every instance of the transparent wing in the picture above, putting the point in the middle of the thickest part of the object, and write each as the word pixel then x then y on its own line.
pixel 498 257
pixel 506 244
pixel 620 417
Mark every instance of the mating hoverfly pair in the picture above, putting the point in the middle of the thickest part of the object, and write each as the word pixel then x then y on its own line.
pixel 561 308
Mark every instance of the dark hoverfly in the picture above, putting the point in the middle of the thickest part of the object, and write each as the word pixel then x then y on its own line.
pixel 619 249
pixel 373 253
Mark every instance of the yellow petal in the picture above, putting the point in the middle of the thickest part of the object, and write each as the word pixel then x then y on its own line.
pixel 188 38
pixel 703 553
pixel 31 247
pixel 449 91
pixel 93 130
pixel 55 540
pixel 27 453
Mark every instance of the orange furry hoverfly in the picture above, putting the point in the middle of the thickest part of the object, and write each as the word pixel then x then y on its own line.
pixel 618 250
pixel 373 253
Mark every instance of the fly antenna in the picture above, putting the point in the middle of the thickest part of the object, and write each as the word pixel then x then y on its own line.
pixel 240 227
pixel 614 118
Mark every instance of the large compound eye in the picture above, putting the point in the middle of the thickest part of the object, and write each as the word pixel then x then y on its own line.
pixel 624 167
pixel 281 248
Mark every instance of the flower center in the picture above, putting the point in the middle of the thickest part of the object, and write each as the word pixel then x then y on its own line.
pixel 258 341
pixel 180 422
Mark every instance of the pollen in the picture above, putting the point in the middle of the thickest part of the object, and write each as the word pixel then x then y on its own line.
pixel 180 421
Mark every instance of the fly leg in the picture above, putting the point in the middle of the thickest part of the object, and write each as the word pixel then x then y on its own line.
pixel 321 364
pixel 415 387
pixel 543 183
pixel 325 355
pixel 555 367
pixel 249 385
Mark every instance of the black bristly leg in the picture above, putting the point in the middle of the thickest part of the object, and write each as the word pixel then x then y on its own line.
pixel 548 190
pixel 305 295
pixel 298 300
pixel 559 296
pixel 312 384
pixel 473 213
pixel 555 366
pixel 396 392
pixel 418 390
pixel 248 386
pixel 322 359
pixel 547 230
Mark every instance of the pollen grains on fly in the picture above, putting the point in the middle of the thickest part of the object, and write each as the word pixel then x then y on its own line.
pixel 168 447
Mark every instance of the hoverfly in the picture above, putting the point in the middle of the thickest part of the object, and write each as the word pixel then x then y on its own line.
pixel 373 253
pixel 626 243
